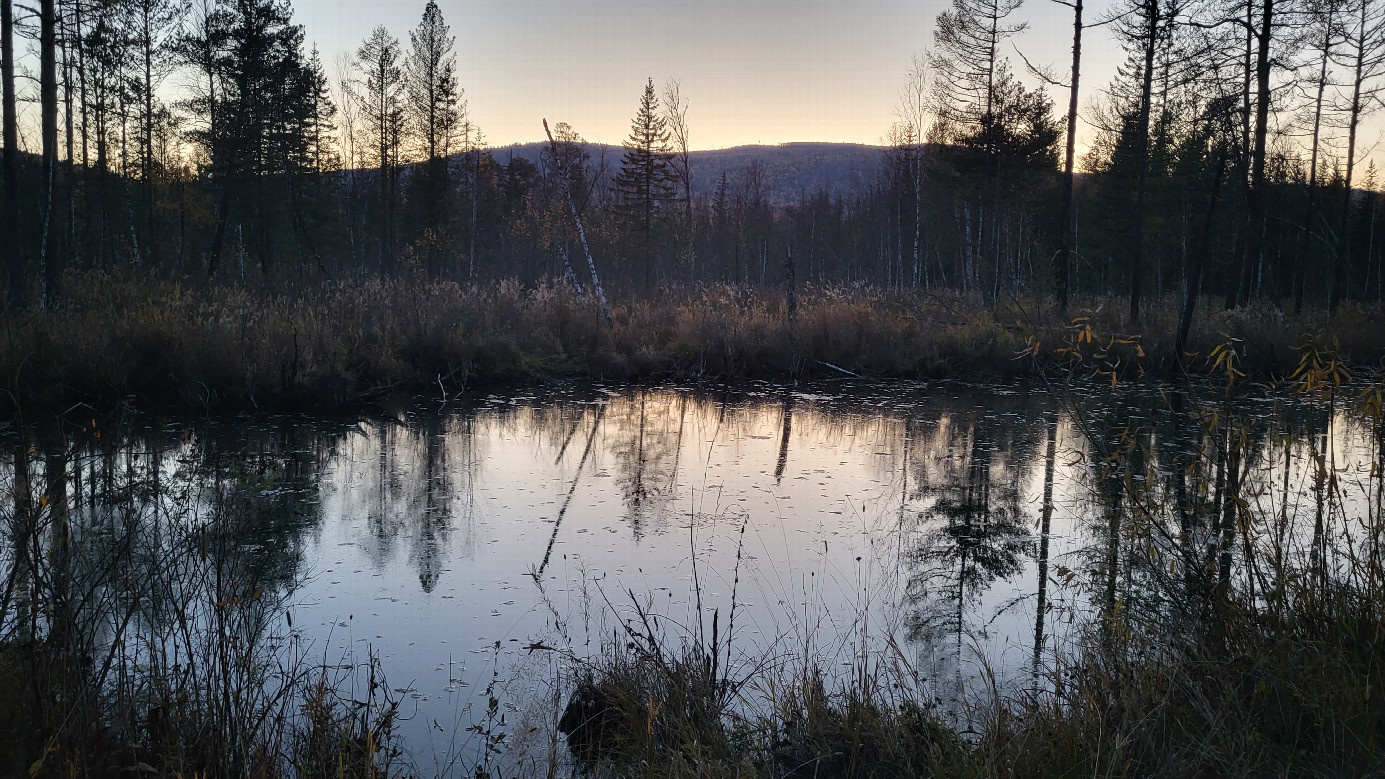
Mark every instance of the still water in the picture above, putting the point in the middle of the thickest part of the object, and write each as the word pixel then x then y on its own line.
pixel 953 527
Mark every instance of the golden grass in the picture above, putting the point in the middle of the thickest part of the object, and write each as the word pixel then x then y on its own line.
pixel 344 342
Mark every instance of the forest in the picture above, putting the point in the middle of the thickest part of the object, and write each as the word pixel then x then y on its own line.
pixel 208 141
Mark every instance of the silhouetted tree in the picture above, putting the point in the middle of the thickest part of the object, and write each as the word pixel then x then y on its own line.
pixel 643 188
pixel 433 100
pixel 380 96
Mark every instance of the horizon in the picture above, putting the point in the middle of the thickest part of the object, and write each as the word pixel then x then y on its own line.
pixel 759 74
pixel 754 75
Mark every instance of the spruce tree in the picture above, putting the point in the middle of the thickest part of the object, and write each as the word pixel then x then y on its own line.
pixel 430 80
pixel 433 97
pixel 319 117
pixel 381 100
pixel 644 188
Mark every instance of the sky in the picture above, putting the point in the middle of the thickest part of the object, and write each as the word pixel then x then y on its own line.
pixel 752 71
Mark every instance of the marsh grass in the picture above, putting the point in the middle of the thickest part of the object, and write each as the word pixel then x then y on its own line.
pixel 1254 648
pixel 340 343
pixel 654 700
pixel 1266 699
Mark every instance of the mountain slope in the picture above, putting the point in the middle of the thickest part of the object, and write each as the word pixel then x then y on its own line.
pixel 789 170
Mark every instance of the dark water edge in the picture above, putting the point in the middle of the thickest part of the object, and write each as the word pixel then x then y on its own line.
pixel 449 575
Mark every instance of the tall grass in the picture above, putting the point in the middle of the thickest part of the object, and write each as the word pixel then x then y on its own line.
pixel 343 342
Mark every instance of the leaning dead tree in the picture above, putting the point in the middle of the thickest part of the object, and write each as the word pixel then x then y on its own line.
pixel 577 221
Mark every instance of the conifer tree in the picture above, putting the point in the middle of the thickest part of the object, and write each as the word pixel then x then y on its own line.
pixel 381 100
pixel 319 121
pixel 433 97
pixel 152 23
pixel 430 80
pixel 644 187
pixel 967 71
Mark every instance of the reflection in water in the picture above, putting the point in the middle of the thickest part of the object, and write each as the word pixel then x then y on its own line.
pixel 567 499
pixel 1045 527
pixel 972 532
pixel 980 512
pixel 647 440
pixel 785 430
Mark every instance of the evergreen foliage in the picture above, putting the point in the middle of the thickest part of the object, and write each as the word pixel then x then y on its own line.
pixel 644 187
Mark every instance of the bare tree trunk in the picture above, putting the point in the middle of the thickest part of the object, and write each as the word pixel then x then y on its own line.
pixel 916 174
pixel 9 217
pixel 1066 231
pixel 148 150
pixel 1238 288
pixel 475 199
pixel 1151 41
pixel 48 108
pixel 1255 211
pixel 81 84
pixel 785 431
pixel 1339 267
pixel 577 477
pixel 1193 274
pixel 68 140
pixel 219 238
pixel 1301 271
pixel 1045 521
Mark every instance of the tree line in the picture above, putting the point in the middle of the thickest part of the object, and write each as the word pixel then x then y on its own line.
pixel 206 138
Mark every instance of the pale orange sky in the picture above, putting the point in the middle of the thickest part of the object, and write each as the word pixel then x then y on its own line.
pixel 754 71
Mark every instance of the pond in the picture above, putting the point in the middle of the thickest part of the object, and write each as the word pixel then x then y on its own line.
pixel 966 531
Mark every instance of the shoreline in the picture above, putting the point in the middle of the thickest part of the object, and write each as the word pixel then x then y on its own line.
pixel 338 345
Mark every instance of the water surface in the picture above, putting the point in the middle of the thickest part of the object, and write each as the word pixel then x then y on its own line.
pixel 949 525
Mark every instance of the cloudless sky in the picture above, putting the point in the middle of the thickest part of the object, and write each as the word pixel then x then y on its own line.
pixel 753 71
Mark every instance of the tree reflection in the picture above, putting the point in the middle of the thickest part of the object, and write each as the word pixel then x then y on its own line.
pixel 973 535
pixel 647 443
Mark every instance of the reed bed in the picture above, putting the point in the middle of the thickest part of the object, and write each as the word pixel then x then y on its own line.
pixel 342 343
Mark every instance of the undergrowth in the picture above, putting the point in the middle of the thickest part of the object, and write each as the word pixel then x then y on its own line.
pixel 340 343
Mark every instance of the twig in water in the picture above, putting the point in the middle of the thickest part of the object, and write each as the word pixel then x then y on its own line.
pixel 839 369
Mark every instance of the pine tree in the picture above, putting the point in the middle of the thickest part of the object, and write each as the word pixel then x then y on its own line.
pixel 644 188
pixel 430 80
pixel 152 25
pixel 246 107
pixel 319 121
pixel 263 57
pixel 967 61
pixel 381 100
pixel 967 71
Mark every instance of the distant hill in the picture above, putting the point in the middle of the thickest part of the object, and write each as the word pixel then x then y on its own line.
pixel 790 170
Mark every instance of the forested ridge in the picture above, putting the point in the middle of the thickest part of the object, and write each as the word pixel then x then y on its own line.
pixel 208 140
